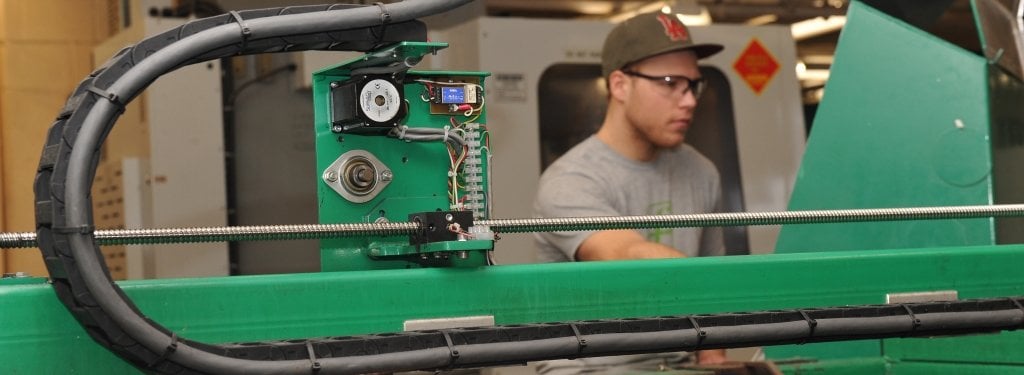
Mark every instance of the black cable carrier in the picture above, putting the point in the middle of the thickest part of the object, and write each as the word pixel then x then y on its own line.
pixel 701 334
pixel 314 365
pixel 385 19
pixel 246 32
pixel 453 354
pixel 171 348
pixel 80 229
pixel 811 324
pixel 1021 307
pixel 110 96
pixel 913 319
pixel 581 343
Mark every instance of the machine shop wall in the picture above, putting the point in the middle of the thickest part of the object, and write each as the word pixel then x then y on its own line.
pixel 273 159
pixel 45 50
pixel 274 163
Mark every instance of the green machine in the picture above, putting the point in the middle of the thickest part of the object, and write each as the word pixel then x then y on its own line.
pixel 402 158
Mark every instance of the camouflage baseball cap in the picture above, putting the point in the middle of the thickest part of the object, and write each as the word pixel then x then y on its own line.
pixel 647 35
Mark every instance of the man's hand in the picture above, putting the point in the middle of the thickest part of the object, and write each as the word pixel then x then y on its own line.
pixel 622 244
pixel 711 357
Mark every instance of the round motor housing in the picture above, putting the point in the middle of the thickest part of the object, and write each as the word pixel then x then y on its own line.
pixel 369 103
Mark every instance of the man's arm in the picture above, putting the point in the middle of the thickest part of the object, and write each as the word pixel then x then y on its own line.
pixel 622 244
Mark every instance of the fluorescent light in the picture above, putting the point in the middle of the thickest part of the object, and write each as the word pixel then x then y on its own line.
pixel 816 26
pixel 699 19
pixel 818 59
pixel 763 19
pixel 594 9
pixel 812 74
pixel 702 19
pixel 657 5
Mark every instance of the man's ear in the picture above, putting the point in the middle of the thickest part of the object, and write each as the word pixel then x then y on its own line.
pixel 618 85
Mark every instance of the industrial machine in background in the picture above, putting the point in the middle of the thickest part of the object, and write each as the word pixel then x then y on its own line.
pixel 403 173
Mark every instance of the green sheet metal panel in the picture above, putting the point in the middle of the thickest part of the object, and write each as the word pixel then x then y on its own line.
pixel 887 366
pixel 1003 348
pixel 249 308
pixel 886 135
pixel 852 366
pixel 904 122
pixel 39 336
pixel 932 368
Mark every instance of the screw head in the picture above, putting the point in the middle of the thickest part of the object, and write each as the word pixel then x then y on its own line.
pixel 449 217
pixel 331 176
pixel 386 175
pixel 334 85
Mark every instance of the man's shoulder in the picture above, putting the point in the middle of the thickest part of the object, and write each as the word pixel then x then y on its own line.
pixel 581 157
pixel 689 156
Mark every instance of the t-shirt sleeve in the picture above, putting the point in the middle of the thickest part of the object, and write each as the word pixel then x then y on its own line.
pixel 569 194
pixel 712 242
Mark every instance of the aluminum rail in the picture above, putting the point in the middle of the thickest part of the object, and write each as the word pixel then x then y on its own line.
pixel 323 231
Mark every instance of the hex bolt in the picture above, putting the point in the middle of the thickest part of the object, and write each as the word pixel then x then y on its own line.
pixel 386 175
pixel 331 176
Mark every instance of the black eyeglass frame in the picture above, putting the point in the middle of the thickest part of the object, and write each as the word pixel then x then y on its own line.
pixel 694 85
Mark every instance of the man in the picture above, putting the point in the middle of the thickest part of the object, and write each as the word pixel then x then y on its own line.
pixel 637 164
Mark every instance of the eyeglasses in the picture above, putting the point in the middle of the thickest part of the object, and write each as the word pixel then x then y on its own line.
pixel 673 84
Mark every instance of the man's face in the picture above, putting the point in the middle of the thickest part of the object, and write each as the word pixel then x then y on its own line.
pixel 661 111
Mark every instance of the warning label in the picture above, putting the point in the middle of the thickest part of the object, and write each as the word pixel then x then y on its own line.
pixel 756 66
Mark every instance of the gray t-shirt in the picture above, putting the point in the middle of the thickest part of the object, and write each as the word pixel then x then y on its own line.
pixel 594 180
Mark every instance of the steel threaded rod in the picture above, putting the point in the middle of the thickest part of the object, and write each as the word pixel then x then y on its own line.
pixel 17 239
pixel 219 234
pixel 750 218
pixel 322 231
